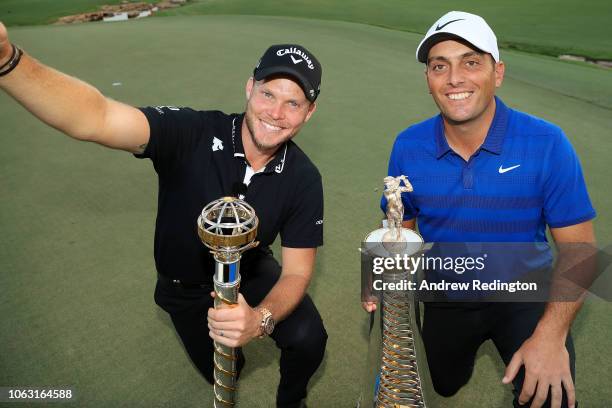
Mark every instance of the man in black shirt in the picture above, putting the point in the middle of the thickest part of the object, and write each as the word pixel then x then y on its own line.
pixel 201 156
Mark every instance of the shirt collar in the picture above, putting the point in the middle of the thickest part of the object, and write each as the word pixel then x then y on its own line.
pixel 277 164
pixel 495 136
pixel 442 146
pixel 237 136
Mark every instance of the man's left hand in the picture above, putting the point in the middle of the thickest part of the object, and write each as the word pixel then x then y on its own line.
pixel 546 362
pixel 234 325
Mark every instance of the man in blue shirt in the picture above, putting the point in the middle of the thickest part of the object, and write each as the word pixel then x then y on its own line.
pixel 483 172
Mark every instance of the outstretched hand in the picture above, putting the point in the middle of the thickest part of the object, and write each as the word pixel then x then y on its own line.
pixel 234 325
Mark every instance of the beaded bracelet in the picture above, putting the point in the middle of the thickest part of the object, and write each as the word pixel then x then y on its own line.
pixel 12 62
pixel 13 48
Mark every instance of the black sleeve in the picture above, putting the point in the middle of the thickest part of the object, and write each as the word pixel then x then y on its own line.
pixel 173 133
pixel 303 227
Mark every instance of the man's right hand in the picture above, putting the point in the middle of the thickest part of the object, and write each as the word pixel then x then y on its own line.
pixel 369 306
pixel 5 45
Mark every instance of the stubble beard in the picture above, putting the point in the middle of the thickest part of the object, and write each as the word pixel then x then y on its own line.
pixel 261 146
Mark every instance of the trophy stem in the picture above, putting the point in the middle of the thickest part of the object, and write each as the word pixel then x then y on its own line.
pixel 228 227
pixel 225 358
pixel 400 383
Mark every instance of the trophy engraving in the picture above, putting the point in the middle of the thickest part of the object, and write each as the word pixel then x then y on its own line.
pixel 228 227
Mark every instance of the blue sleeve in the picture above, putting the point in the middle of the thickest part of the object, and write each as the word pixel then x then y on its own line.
pixel 566 200
pixel 396 169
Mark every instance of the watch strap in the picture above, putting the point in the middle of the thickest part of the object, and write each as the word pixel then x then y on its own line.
pixel 266 317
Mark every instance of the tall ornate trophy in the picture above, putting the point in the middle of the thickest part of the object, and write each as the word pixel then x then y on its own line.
pixel 228 227
pixel 401 366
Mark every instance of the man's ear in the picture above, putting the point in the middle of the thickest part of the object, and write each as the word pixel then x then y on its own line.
pixel 500 69
pixel 249 87
pixel 311 109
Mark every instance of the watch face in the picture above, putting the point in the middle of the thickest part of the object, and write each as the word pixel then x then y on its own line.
pixel 269 326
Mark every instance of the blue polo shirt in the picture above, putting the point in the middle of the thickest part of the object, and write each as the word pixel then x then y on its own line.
pixel 526 175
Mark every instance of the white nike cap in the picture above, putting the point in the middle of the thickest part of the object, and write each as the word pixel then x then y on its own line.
pixel 458 24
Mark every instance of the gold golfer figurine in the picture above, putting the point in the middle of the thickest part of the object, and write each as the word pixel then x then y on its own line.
pixel 395 207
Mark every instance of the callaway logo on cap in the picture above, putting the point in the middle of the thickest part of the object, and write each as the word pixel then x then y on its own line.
pixel 295 61
pixel 458 24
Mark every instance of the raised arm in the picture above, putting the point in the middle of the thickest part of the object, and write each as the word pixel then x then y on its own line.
pixel 71 105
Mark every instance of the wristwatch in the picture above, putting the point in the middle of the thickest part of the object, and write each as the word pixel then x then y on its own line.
pixel 267 322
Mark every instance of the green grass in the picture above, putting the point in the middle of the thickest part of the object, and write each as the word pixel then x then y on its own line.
pixel 30 12
pixel 77 220
pixel 549 27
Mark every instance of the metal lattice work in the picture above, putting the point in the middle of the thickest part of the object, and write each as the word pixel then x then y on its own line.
pixel 400 384
pixel 228 227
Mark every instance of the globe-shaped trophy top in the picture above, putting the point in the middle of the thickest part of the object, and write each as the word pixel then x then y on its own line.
pixel 228 224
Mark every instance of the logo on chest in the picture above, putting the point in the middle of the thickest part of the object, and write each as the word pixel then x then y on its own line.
pixel 503 169
pixel 217 144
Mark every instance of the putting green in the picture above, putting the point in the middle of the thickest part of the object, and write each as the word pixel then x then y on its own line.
pixel 550 27
pixel 77 219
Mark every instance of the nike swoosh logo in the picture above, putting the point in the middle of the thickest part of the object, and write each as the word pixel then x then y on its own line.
pixel 439 27
pixel 294 60
pixel 502 170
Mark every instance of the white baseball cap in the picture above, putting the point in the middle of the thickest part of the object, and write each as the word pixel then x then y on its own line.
pixel 458 24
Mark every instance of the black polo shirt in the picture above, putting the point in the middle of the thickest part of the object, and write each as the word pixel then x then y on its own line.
pixel 199 157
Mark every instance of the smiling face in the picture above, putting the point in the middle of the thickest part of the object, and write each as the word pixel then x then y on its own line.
pixel 276 110
pixel 462 81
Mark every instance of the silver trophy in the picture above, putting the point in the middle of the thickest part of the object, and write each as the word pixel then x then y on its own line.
pixel 400 364
pixel 228 227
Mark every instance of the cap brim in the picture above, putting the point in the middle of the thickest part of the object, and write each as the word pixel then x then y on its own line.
pixel 260 74
pixel 426 45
